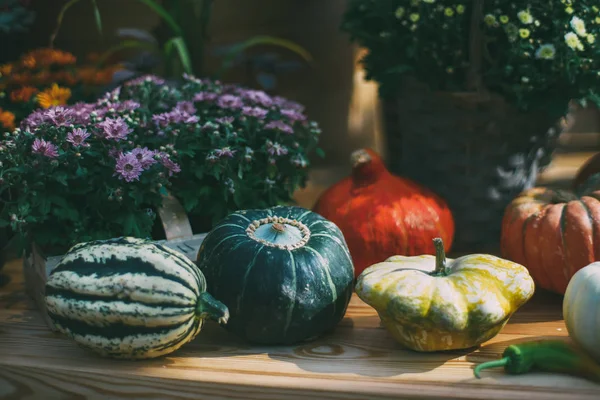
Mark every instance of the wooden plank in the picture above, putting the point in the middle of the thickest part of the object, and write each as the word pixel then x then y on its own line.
pixel 359 360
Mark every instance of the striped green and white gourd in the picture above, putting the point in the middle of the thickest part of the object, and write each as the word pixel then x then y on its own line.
pixel 129 298
pixel 285 273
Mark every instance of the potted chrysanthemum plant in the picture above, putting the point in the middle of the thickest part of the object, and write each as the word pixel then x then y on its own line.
pixel 100 170
pixel 472 91
pixel 238 148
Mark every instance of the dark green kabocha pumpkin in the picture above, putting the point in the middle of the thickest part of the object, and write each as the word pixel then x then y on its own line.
pixel 285 273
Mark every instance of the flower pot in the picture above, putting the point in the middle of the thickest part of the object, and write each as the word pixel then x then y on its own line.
pixel 472 149
pixel 37 266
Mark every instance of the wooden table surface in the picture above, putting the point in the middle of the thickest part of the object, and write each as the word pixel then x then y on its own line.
pixel 359 360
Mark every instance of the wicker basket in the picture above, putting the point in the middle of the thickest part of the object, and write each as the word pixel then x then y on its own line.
pixel 473 149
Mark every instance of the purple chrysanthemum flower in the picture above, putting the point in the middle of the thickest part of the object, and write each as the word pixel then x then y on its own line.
pixel 205 96
pixel 176 116
pixel 225 152
pixel 275 149
pixel 59 116
pixel 161 120
pixel 81 112
pixel 144 156
pixel 114 129
pixel 127 105
pixel 257 97
pixel 44 148
pixel 33 120
pixel 186 107
pixel 293 115
pixel 169 164
pixel 179 116
pixel 280 126
pixel 230 101
pixel 211 158
pixel 128 167
pixel 145 78
pixel 77 137
pixel 225 120
pixel 288 104
pixel 256 112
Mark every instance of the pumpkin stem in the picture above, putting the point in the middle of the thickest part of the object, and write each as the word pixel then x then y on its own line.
pixel 440 257
pixel 209 307
pixel 279 232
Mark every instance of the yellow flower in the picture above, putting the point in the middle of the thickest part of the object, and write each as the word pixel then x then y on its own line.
pixel 573 41
pixel 569 10
pixel 598 20
pixel 54 96
pixel 22 95
pixel 7 119
pixel 504 19
pixel 590 38
pixel 414 17
pixel 399 12
pixel 449 12
pixel 460 9
pixel 524 33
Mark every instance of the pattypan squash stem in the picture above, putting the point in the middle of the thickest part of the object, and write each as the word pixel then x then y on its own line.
pixel 545 355
pixel 440 257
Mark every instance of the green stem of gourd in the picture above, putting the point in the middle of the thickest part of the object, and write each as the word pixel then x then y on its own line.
pixel 209 307
pixel 440 257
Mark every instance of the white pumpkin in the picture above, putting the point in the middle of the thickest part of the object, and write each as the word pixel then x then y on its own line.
pixel 581 308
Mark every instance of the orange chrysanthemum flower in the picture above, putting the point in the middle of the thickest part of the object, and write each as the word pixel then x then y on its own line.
pixel 20 79
pixel 28 61
pixel 7 119
pixel 6 69
pixel 22 95
pixel 67 78
pixel 54 96
pixel 47 57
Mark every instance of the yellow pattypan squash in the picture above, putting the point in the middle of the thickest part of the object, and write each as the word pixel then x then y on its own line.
pixel 433 303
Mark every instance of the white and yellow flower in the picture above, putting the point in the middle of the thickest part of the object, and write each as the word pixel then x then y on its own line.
pixel 546 52
pixel 572 40
pixel 525 17
pixel 578 26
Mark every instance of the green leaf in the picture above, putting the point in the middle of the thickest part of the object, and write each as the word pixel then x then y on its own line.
pixel 97 17
pixel 61 177
pixel 179 45
pixel 59 19
pixel 320 152
pixel 264 40
pixel 125 44
pixel 164 14
pixel 45 205
pixel 130 226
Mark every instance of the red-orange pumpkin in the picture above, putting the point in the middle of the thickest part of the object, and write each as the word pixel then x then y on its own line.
pixel 382 215
pixel 552 233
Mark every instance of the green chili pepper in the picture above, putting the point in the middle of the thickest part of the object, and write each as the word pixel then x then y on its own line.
pixel 545 355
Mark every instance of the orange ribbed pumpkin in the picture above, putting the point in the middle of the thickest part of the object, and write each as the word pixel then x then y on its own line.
pixel 382 215
pixel 552 233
